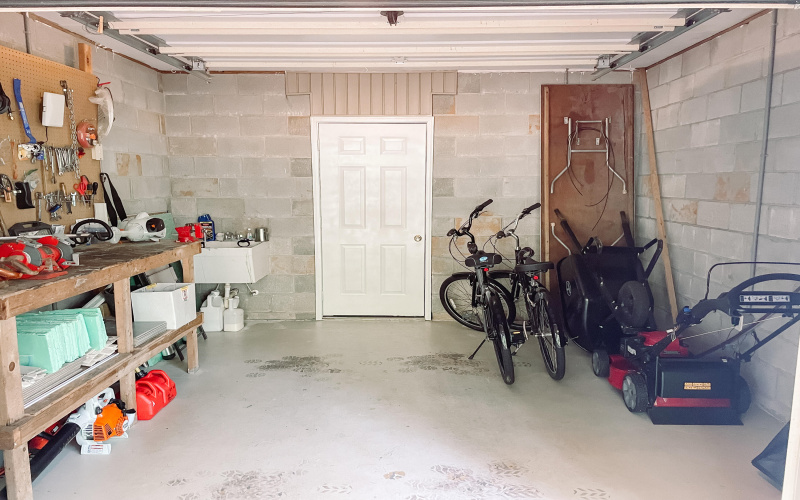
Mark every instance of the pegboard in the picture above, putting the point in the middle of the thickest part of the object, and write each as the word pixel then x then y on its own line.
pixel 37 76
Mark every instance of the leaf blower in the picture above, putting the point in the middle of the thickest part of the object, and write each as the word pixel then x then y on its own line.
pixel 140 227
pixel 98 420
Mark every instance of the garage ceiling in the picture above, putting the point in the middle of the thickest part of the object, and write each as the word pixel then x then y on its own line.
pixel 415 36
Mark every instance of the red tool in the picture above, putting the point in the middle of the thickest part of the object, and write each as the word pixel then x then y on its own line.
pixel 189 233
pixel 82 186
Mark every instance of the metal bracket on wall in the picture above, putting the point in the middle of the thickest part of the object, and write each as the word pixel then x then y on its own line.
pixel 651 39
pixel 147 44
pixel 572 138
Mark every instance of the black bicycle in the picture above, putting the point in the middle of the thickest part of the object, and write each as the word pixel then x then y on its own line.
pixel 457 293
pixel 526 286
pixel 486 298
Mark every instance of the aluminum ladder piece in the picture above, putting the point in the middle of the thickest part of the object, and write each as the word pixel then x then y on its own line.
pixel 574 138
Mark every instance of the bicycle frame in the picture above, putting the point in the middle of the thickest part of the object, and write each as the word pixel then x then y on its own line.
pixel 520 282
pixel 481 293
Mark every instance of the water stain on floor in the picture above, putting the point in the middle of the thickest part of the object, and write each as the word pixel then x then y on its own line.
pixel 306 365
pixel 456 483
pixel 454 363
pixel 248 485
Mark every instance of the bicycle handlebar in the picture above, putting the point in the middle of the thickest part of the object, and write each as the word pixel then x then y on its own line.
pixel 509 232
pixel 464 229
pixel 529 210
pixel 480 208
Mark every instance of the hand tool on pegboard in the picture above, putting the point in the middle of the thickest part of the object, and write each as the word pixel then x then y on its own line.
pixel 72 163
pixel 33 148
pixel 5 104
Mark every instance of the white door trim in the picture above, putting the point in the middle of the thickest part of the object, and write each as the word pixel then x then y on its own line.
pixel 317 189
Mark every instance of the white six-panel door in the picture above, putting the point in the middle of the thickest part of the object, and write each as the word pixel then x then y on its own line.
pixel 372 200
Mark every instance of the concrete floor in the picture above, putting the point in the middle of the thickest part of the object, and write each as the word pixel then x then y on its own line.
pixel 392 409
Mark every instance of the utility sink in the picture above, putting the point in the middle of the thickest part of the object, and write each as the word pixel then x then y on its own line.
pixel 226 262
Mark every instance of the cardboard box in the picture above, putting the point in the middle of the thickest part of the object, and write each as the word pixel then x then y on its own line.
pixel 170 302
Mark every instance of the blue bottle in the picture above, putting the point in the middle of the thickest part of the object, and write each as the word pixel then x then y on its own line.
pixel 208 226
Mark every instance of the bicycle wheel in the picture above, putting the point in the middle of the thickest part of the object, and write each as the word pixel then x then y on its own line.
pixel 456 297
pixel 501 340
pixel 546 330
pixel 507 279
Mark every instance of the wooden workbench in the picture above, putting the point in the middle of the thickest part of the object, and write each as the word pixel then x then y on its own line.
pixel 100 265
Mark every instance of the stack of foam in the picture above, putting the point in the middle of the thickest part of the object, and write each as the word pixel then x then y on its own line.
pixel 51 338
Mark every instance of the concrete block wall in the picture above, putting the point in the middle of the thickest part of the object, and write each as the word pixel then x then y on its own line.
pixel 708 112
pixel 240 150
pixel 487 144
pixel 135 152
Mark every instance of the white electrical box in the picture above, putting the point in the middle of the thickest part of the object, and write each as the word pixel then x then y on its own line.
pixel 52 109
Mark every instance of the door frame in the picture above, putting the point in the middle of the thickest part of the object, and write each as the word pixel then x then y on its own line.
pixel 317 190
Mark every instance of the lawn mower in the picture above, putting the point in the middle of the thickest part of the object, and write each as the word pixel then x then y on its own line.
pixel 604 291
pixel 657 373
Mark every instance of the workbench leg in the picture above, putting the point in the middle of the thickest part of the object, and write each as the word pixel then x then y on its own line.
pixel 124 315
pixel 188 269
pixel 18 469
pixel 127 390
pixel 192 355
pixel 192 358
pixel 18 473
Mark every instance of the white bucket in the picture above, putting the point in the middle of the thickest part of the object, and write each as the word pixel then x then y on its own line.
pixel 212 312
pixel 233 319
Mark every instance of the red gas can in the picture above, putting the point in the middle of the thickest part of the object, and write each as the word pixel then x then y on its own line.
pixel 153 392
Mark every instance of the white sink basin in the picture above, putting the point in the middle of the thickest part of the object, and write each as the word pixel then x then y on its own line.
pixel 226 262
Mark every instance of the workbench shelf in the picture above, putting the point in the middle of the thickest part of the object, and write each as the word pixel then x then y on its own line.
pixel 101 264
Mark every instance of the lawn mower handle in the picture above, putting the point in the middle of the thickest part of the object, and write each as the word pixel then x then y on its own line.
pixel 760 279
pixel 727 302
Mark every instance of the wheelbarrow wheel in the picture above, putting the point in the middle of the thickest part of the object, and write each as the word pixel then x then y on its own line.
pixel 600 363
pixel 634 304
pixel 743 396
pixel 634 392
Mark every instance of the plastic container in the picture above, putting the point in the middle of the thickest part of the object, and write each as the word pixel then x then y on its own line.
pixel 153 392
pixel 170 302
pixel 233 317
pixel 148 402
pixel 208 226
pixel 164 384
pixel 212 312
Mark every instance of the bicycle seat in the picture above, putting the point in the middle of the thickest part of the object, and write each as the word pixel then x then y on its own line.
pixel 483 259
pixel 531 266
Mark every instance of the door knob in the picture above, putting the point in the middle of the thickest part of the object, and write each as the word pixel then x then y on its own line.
pixel 417 238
